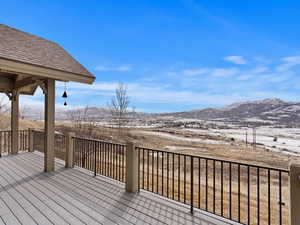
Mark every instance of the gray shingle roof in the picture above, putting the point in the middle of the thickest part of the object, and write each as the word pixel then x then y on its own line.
pixel 26 48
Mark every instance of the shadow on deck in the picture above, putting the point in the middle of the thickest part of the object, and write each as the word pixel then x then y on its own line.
pixel 73 196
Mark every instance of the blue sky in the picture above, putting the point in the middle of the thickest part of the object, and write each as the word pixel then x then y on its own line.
pixel 174 55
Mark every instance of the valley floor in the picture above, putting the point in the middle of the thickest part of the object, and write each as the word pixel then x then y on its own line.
pixel 274 146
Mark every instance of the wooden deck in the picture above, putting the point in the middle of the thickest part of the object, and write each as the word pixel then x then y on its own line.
pixel 73 196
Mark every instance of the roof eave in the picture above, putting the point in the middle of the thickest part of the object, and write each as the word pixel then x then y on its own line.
pixel 17 67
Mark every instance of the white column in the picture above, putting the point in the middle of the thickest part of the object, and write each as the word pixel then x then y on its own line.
pixel 15 122
pixel 49 125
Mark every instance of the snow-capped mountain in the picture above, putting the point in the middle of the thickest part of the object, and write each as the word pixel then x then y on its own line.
pixel 268 111
pixel 273 111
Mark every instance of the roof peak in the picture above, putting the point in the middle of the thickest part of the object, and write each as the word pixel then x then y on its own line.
pixel 27 33
pixel 23 47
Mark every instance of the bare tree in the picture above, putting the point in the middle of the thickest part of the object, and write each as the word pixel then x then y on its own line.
pixel 81 119
pixel 119 106
pixel 25 110
pixel 4 105
pixel 4 108
pixel 85 125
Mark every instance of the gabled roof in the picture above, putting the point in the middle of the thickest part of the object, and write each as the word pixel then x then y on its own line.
pixel 22 47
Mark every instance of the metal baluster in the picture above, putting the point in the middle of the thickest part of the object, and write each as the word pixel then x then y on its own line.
pixel 123 161
pixel 173 173
pixel 258 197
pixel 148 169
pixel 95 156
pixel 168 175
pixel 230 191
pixel 239 193
pixel 192 184
pixel 280 198
pixel 222 194
pixel 206 185
pixel 184 174
pixel 152 152
pixel 269 198
pixel 162 173
pixel 143 168
pixel 157 171
pixel 214 186
pixel 179 168
pixel 248 192
pixel 199 183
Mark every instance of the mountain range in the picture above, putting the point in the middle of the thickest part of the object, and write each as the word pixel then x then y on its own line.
pixel 267 111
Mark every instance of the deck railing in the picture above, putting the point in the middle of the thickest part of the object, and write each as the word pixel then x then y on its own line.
pixel 245 193
pixel 105 158
pixel 242 192
pixel 5 141
pixel 248 194
pixel 59 145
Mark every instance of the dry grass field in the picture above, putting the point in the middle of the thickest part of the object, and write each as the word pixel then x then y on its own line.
pixel 166 177
pixel 208 192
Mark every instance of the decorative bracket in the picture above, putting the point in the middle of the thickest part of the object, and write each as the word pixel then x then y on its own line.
pixel 42 85
pixel 9 95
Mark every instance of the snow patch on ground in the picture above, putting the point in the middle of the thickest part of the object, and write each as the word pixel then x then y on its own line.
pixel 288 139
pixel 179 138
pixel 174 148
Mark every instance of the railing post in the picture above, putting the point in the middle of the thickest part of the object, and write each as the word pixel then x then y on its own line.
pixel 30 140
pixel 295 193
pixel 132 171
pixel 69 158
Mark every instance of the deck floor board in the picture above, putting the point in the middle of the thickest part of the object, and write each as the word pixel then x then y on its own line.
pixel 74 196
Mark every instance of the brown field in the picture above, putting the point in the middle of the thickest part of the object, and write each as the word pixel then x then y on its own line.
pixel 151 179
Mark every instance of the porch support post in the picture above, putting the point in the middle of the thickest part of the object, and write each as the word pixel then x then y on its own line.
pixel 14 122
pixel 30 140
pixel 49 125
pixel 294 193
pixel 69 150
pixel 132 168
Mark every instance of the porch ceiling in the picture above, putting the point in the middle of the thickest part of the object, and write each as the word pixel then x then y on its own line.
pixel 25 84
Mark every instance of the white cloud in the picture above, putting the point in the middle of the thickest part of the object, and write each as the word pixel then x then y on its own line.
pixel 236 59
pixel 104 86
pixel 288 63
pixel 121 68
pixel 292 59
pixel 260 69
pixel 167 96
pixel 147 93
pixel 261 59
pixel 224 72
pixel 97 86
pixel 186 86
pixel 172 74
pixel 194 72
pixel 31 101
pixel 244 77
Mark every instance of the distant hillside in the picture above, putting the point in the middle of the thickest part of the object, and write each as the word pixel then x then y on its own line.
pixel 267 111
pixel 23 124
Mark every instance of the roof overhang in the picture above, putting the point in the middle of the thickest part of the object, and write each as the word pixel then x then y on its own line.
pixel 19 68
pixel 24 84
